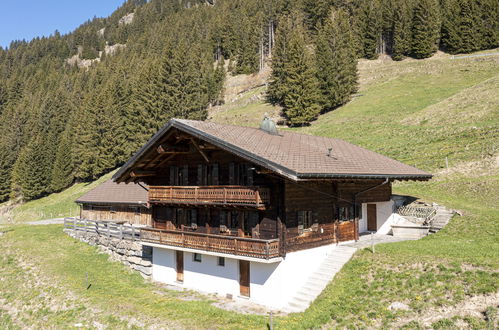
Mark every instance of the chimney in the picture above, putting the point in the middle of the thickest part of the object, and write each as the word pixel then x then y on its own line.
pixel 269 126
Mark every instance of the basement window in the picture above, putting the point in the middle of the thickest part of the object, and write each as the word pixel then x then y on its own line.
pixel 196 257
pixel 221 261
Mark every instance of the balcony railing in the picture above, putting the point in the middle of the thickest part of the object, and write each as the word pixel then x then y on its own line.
pixel 248 247
pixel 257 197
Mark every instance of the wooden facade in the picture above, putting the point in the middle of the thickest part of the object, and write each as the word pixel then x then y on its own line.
pixel 215 198
pixel 132 214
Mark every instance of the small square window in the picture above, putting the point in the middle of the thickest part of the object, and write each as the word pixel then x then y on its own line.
pixel 196 257
pixel 221 261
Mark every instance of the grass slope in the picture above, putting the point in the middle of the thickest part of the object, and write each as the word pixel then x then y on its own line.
pixel 54 205
pixel 416 111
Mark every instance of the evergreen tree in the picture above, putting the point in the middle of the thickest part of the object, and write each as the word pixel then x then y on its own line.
pixel 336 63
pixel 63 169
pixel 425 28
pixel 31 171
pixel 371 20
pixel 6 163
pixel 401 30
pixel 293 83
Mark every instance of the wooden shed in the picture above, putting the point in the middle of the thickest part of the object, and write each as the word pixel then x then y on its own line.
pixel 117 202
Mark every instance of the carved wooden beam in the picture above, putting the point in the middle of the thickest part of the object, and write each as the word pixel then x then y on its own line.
pixel 169 149
pixel 200 151
pixel 164 161
pixel 141 173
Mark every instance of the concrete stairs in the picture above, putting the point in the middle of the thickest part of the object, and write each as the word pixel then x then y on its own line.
pixel 316 283
pixel 440 219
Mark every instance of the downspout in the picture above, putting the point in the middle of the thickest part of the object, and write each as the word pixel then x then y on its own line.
pixel 363 191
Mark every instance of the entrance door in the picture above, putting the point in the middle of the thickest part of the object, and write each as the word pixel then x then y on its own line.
pixel 371 217
pixel 179 258
pixel 244 278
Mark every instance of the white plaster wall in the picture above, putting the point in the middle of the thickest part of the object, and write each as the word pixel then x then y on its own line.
pixel 271 284
pixel 384 217
pixel 207 276
pixel 384 211
pixel 163 265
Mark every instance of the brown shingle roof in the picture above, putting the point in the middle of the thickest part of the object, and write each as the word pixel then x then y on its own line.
pixel 113 193
pixel 295 155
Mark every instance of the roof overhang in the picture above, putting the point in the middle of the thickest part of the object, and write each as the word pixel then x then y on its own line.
pixel 124 171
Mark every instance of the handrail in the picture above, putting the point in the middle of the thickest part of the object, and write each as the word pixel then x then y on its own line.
pixel 250 247
pixel 258 240
pixel 227 195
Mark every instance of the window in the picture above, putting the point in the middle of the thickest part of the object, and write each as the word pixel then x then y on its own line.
pixel 196 257
pixel 241 174
pixel 207 175
pixel 343 213
pixel 304 220
pixel 221 261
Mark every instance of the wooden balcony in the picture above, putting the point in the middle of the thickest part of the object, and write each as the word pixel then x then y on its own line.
pixel 257 197
pixel 248 247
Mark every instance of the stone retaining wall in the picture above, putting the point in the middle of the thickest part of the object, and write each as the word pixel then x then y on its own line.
pixel 131 253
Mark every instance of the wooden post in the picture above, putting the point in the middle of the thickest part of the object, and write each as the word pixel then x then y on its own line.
pixel 108 231
pixel 446 162
pixel 121 232
pixel 85 225
pixel 372 242
pixel 235 246
pixel 267 250
pixel 133 233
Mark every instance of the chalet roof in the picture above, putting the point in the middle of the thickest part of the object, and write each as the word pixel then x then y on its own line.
pixel 293 155
pixel 111 192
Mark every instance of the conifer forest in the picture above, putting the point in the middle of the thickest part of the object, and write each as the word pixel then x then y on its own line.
pixel 75 106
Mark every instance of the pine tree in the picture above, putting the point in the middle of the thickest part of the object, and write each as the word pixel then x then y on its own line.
pixel 371 27
pixel 31 171
pixel 63 169
pixel 293 84
pixel 401 30
pixel 336 62
pixel 425 28
pixel 6 162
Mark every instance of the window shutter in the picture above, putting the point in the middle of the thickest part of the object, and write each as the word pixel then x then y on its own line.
pixel 185 175
pixel 200 175
pixel 172 175
pixel 215 174
pixel 232 180
pixel 300 215
pixel 194 216
pixel 249 173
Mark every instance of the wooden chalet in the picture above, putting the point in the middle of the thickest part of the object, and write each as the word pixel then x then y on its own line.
pixel 257 192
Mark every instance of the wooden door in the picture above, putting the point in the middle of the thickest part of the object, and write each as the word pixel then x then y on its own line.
pixel 371 217
pixel 179 258
pixel 244 278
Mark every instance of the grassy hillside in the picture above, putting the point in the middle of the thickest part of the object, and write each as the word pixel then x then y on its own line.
pixel 416 111
pixel 52 206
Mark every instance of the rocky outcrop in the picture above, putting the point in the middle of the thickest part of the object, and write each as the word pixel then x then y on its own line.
pixel 131 253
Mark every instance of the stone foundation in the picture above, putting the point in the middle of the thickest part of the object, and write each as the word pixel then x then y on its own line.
pixel 131 253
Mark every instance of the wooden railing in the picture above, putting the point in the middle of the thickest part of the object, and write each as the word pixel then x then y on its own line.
pixel 420 212
pixel 249 247
pixel 257 197
pixel 102 228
